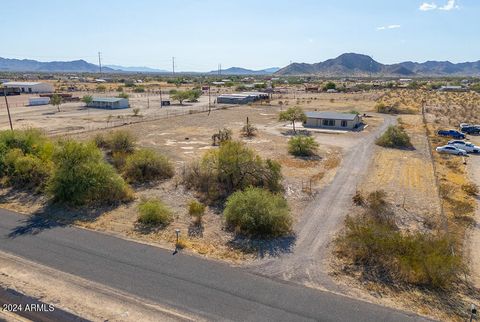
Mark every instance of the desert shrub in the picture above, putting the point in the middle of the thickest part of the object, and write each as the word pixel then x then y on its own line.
pixel 394 137
pixel 122 95
pixel 230 168
pixel 302 145
pixel 153 212
pixel 121 141
pixel 358 199
pixel 223 135
pixel 146 165
pixel 258 212
pixel 197 210
pixel 460 207
pixel 139 89
pixel 26 171
pixel 470 188
pixel 101 141
pixel 82 177
pixel 248 130
pixel 136 111
pixel 421 259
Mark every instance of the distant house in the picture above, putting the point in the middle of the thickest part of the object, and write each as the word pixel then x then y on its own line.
pixel 30 87
pixel 333 120
pixel 110 103
pixel 449 88
pixel 34 101
pixel 241 98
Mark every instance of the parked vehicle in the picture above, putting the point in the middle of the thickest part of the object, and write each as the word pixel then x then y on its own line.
pixel 467 146
pixel 471 129
pixel 452 133
pixel 450 149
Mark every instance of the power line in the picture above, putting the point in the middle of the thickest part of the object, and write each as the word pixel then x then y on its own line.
pixel 173 66
pixel 100 63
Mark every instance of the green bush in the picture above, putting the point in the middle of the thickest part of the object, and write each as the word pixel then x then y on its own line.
pixel 394 137
pixel 232 167
pixel 82 177
pixel 146 165
pixel 26 171
pixel 197 210
pixel 121 141
pixel 420 259
pixel 139 89
pixel 154 213
pixel 258 212
pixel 302 145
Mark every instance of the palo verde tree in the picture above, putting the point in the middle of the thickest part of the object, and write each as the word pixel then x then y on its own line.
pixel 87 99
pixel 293 114
pixel 56 100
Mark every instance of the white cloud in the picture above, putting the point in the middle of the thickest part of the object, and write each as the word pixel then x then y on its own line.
pixel 388 27
pixel 450 5
pixel 428 6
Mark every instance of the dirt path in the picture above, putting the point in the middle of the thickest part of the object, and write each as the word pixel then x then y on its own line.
pixel 473 166
pixel 306 263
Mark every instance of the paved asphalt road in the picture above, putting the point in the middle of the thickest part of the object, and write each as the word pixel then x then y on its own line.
pixel 189 284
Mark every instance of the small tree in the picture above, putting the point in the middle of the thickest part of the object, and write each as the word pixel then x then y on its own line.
pixel 394 137
pixel 293 114
pixel 101 88
pixel 180 96
pixel 329 85
pixel 87 99
pixel 302 145
pixel 123 95
pixel 136 111
pixel 56 100
pixel 223 135
pixel 197 210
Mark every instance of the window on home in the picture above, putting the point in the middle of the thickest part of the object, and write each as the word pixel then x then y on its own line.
pixel 328 122
pixel 344 123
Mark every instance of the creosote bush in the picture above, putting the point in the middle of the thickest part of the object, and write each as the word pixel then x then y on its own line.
pixel 231 167
pixel 258 212
pixel 302 146
pixel 394 137
pixel 153 212
pixel 197 210
pixel 82 177
pixel 146 165
pixel 373 241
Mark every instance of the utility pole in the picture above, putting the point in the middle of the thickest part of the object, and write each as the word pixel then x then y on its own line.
pixel 100 63
pixel 160 96
pixel 209 106
pixel 173 66
pixel 8 109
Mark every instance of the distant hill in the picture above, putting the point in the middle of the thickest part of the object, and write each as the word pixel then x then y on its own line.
pixel 28 65
pixel 359 65
pixel 244 71
pixel 143 69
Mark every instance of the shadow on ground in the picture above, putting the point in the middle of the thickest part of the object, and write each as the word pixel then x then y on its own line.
pixel 264 248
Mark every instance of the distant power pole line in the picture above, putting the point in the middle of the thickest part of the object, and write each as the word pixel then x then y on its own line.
pixel 219 69
pixel 100 62
pixel 173 66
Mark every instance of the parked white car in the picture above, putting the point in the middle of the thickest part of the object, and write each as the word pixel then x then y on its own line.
pixel 467 146
pixel 450 149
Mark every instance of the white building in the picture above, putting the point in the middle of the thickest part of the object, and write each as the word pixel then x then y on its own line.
pixel 110 103
pixel 34 101
pixel 332 120
pixel 30 87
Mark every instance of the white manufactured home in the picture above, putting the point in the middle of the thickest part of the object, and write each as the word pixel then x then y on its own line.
pixel 109 103
pixel 30 87
pixel 333 120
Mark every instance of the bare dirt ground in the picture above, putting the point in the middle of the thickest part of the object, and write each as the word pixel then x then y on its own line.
pixel 473 165
pixel 83 298
pixel 185 138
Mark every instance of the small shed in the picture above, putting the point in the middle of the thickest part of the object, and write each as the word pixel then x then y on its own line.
pixel 110 103
pixel 333 120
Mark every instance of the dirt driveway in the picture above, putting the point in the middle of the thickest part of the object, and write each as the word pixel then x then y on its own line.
pixel 473 166
pixel 305 262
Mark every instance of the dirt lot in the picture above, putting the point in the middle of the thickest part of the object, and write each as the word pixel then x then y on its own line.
pixel 185 138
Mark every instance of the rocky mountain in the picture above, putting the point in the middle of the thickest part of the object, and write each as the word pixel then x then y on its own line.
pixel 138 69
pixel 352 64
pixel 29 65
pixel 244 71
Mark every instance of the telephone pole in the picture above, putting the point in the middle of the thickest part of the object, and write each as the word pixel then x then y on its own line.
pixel 100 63
pixel 219 69
pixel 8 109
pixel 173 66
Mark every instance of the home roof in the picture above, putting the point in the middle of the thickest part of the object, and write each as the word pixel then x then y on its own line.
pixel 331 115
pixel 21 83
pixel 107 99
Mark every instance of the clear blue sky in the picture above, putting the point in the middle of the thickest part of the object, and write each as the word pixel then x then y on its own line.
pixel 247 33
